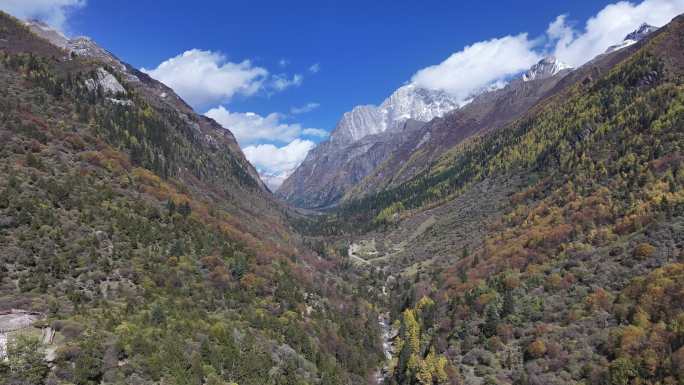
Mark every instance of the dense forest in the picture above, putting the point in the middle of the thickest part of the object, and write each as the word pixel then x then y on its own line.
pixel 579 279
pixel 142 277
pixel 140 241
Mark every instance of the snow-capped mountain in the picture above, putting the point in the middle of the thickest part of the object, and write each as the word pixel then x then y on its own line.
pixel 361 140
pixel 545 68
pixel 407 102
pixel 633 37
pixel 641 32
pixel 374 146
pixel 361 121
pixel 365 136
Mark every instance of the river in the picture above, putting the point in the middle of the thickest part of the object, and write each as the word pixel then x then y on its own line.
pixel 384 322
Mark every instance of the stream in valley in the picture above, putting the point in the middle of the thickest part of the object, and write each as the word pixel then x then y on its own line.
pixel 387 336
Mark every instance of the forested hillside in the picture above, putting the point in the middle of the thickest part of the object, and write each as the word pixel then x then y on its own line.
pixel 137 233
pixel 548 251
pixel 138 245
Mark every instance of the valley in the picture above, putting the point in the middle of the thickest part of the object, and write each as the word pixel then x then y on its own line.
pixel 516 256
pixel 532 234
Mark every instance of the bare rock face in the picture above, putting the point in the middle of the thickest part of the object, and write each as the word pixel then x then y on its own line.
pixel 106 81
pixel 332 168
pixel 361 140
pixel 361 121
pixel 407 102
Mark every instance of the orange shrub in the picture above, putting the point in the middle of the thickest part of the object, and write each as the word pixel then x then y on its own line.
pixel 146 177
pixel 553 282
pixel 599 299
pixel 631 338
pixel 93 157
pixel 537 348
pixel 644 250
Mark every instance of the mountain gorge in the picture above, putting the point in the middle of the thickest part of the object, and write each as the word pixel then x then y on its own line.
pixel 532 235
pixel 548 251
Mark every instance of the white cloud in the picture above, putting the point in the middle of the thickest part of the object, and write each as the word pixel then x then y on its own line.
pixel 259 137
pixel 280 82
pixel 315 68
pixel 275 164
pixel 315 132
pixel 479 65
pixel 283 62
pixel 205 78
pixel 608 27
pixel 493 61
pixel 52 12
pixel 308 107
pixel 250 128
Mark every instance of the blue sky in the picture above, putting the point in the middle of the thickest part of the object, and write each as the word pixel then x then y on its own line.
pixel 365 49
pixel 281 73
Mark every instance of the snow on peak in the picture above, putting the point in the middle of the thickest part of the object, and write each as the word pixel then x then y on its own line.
pixel 545 68
pixel 407 102
pixel 641 32
pixel 361 121
pixel 413 102
pixel 633 37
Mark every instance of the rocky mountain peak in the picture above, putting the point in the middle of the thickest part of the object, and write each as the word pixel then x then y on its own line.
pixel 545 68
pixel 641 32
pixel 633 37
pixel 413 102
pixel 48 33
pixel 407 102
pixel 360 122
pixel 80 45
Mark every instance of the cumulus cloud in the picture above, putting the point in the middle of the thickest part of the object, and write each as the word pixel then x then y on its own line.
pixel 491 62
pixel 283 62
pixel 250 128
pixel 608 27
pixel 315 68
pixel 274 163
pixel 52 12
pixel 204 78
pixel 479 65
pixel 308 107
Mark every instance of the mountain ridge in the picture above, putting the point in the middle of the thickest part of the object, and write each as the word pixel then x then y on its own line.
pixel 546 251
pixel 333 173
pixel 134 235
pixel 155 90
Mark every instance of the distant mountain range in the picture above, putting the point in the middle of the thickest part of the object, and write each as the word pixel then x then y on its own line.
pixel 372 147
